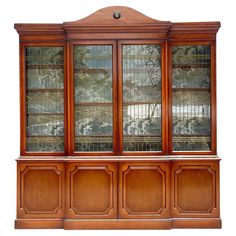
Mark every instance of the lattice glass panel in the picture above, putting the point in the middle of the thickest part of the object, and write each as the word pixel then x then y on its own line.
pixel 44 99
pixel 191 95
pixel 45 143
pixel 49 125
pixel 93 98
pixel 141 97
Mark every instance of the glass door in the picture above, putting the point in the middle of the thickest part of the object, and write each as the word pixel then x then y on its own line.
pixel 117 99
pixel 140 84
pixel 44 99
pixel 191 97
pixel 94 109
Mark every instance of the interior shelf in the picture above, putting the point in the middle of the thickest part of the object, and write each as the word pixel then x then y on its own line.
pixel 44 66
pixel 93 104
pixel 190 66
pixel 45 114
pixel 190 89
pixel 36 90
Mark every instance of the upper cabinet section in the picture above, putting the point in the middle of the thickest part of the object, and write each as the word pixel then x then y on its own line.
pixel 118 83
pixel 120 23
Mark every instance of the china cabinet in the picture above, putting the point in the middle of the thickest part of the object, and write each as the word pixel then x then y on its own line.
pixel 118 124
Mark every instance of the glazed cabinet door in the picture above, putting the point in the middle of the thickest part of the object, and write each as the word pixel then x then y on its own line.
pixel 117 99
pixel 42 99
pixel 93 102
pixel 144 190
pixel 140 84
pixel 91 190
pixel 193 128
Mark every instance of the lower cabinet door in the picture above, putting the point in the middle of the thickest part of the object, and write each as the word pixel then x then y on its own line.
pixel 144 190
pixel 41 188
pixel 91 190
pixel 195 189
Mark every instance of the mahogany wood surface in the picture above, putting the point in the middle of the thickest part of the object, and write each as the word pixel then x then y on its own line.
pixel 179 193
pixel 40 190
pixel 39 224
pixel 102 28
pixel 146 224
pixel 195 189
pixel 119 224
pixel 91 190
pixel 118 190
pixel 144 190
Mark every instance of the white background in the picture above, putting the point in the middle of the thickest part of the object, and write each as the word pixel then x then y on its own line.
pixel 46 11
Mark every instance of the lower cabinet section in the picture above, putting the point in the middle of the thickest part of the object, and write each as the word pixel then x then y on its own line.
pixel 156 194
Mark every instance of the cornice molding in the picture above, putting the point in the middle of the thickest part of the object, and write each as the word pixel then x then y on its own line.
pixel 102 21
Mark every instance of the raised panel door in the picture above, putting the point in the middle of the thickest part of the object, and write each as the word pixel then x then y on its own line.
pixel 41 188
pixel 91 190
pixel 195 189
pixel 144 190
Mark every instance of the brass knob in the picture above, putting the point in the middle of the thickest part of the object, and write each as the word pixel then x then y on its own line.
pixel 116 15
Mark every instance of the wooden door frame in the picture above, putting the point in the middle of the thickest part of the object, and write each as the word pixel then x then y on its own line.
pixel 164 114
pixel 70 101
pixel 212 44
pixel 23 87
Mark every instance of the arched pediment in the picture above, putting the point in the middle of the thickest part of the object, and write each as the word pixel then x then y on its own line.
pixel 115 17
pixel 115 21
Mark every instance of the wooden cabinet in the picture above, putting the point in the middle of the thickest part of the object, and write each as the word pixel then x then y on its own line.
pixel 118 124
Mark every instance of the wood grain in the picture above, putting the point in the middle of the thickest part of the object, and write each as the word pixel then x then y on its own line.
pixel 195 189
pixel 117 189
pixel 40 190
pixel 91 190
pixel 144 190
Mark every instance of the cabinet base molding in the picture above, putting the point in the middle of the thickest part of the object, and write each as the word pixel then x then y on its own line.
pixel 199 223
pixel 118 224
pixel 39 224
pixel 71 224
